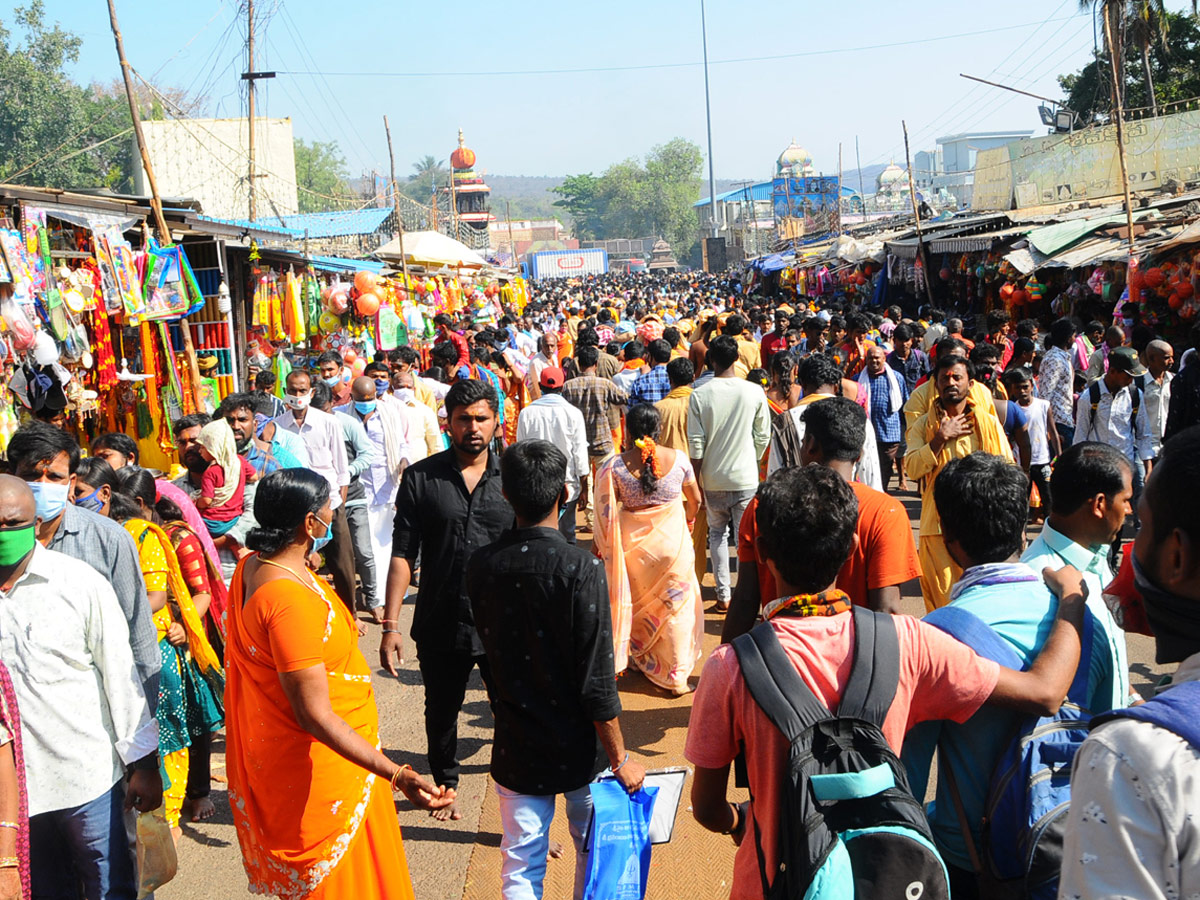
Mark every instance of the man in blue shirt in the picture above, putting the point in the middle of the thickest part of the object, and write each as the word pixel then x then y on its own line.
pixel 1091 491
pixel 887 393
pixel 1011 598
pixel 652 386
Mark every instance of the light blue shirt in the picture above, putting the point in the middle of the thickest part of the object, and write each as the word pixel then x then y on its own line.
pixel 1054 549
pixel 1023 615
pixel 364 454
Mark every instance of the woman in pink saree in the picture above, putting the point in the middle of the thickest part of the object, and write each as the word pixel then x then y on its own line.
pixel 646 502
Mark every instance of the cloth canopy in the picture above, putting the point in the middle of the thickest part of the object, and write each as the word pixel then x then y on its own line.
pixel 431 248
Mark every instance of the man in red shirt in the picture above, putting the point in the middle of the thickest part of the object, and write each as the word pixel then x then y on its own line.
pixel 999 323
pixel 814 508
pixel 446 332
pixel 776 341
pixel 884 556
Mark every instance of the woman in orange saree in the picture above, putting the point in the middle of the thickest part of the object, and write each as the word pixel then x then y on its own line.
pixel 646 503
pixel 310 791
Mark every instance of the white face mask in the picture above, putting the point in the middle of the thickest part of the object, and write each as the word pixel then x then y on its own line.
pixel 405 395
pixel 297 403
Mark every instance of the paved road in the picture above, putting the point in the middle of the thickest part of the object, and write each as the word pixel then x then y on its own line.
pixel 460 861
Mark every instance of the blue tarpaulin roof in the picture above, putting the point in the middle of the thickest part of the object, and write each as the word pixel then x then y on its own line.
pixel 774 262
pixel 341 223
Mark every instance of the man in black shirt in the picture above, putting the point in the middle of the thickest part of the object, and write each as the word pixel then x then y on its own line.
pixel 541 607
pixel 449 505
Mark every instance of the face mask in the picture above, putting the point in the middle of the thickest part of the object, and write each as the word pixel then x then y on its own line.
pixel 319 542
pixel 406 395
pixel 381 387
pixel 1174 620
pixel 92 502
pixel 363 407
pixel 334 381
pixel 16 544
pixel 297 403
pixel 51 499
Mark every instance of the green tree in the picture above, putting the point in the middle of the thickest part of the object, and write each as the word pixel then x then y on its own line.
pixel 428 168
pixel 322 178
pixel 673 174
pixel 1174 73
pixel 1147 25
pixel 578 193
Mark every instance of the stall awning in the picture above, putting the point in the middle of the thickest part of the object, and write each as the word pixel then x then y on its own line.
pixel 970 243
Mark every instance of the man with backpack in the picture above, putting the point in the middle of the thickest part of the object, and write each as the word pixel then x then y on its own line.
pixel 1000 608
pixel 1132 829
pixel 857 681
pixel 1111 411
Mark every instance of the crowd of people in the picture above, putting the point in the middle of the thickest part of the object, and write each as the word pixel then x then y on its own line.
pixel 667 419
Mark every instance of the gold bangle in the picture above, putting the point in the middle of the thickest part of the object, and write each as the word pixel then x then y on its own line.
pixel 8 862
pixel 13 825
pixel 396 775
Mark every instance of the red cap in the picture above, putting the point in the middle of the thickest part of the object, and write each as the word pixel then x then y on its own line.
pixel 552 377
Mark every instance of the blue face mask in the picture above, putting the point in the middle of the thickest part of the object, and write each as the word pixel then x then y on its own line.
pixel 92 502
pixel 319 542
pixel 381 387
pixel 51 499
pixel 333 382
pixel 363 407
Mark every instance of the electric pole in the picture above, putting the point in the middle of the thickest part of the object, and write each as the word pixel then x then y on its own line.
pixel 712 181
pixel 250 76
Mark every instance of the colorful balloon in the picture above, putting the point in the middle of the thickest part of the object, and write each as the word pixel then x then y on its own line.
pixel 367 304
pixel 338 302
pixel 365 282
pixel 358 367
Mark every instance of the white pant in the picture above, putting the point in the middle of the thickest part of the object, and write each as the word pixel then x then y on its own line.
pixel 380 520
pixel 526 821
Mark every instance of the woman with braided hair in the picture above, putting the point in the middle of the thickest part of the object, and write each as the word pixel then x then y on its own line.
pixel 646 503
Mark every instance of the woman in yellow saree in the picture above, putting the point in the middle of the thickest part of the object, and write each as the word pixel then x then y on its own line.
pixel 646 503
pixel 310 791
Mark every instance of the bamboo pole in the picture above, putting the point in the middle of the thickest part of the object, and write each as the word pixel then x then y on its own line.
pixel 396 203
pixel 912 194
pixel 160 223
pixel 1118 115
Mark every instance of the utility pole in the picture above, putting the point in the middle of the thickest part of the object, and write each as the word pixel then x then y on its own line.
pixel 160 223
pixel 250 77
pixel 862 197
pixel 712 181
pixel 839 190
pixel 512 244
pixel 1119 116
pixel 912 194
pixel 396 203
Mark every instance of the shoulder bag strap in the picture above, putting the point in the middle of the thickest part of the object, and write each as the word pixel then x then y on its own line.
pixel 775 684
pixel 876 669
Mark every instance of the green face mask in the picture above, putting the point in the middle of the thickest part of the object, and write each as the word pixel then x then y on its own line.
pixel 16 544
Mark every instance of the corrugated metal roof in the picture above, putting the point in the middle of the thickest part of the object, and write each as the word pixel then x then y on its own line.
pixel 760 191
pixel 264 225
pixel 340 223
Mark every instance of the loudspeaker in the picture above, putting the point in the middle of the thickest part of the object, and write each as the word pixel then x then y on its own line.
pixel 714 255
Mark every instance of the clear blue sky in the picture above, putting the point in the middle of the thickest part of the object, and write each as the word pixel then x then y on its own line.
pixel 552 124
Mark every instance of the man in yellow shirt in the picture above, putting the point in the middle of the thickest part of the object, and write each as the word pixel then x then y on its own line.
pixel 922 396
pixel 955 425
pixel 673 410
pixel 749 353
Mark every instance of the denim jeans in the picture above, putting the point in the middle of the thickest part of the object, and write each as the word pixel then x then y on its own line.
pixel 83 846
pixel 526 821
pixel 724 510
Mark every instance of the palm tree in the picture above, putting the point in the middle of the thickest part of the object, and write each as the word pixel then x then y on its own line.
pixel 429 165
pixel 1148 25
pixel 1114 17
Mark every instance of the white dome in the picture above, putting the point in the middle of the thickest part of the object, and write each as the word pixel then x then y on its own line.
pixel 892 177
pixel 795 159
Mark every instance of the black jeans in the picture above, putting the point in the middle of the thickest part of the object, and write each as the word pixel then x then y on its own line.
pixel 445 673
pixel 1041 479
pixel 339 557
pixel 566 521
pixel 199 778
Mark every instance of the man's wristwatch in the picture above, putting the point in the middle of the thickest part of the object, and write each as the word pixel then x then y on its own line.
pixel 147 763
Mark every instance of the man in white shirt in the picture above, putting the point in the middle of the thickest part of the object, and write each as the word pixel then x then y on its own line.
pixel 424 429
pixel 325 441
pixel 1113 411
pixel 1156 390
pixel 84 717
pixel 546 357
pixel 552 418
pixel 1132 830
pixel 728 429
pixel 386 427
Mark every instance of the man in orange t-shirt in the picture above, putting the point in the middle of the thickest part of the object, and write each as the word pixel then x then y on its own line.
pixel 883 558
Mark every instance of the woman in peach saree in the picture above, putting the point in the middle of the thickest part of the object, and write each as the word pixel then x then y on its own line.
pixel 310 791
pixel 646 503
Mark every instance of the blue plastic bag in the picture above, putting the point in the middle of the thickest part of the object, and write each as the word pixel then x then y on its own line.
pixel 618 844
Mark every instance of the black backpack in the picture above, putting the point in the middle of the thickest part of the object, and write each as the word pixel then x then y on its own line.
pixel 848 819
